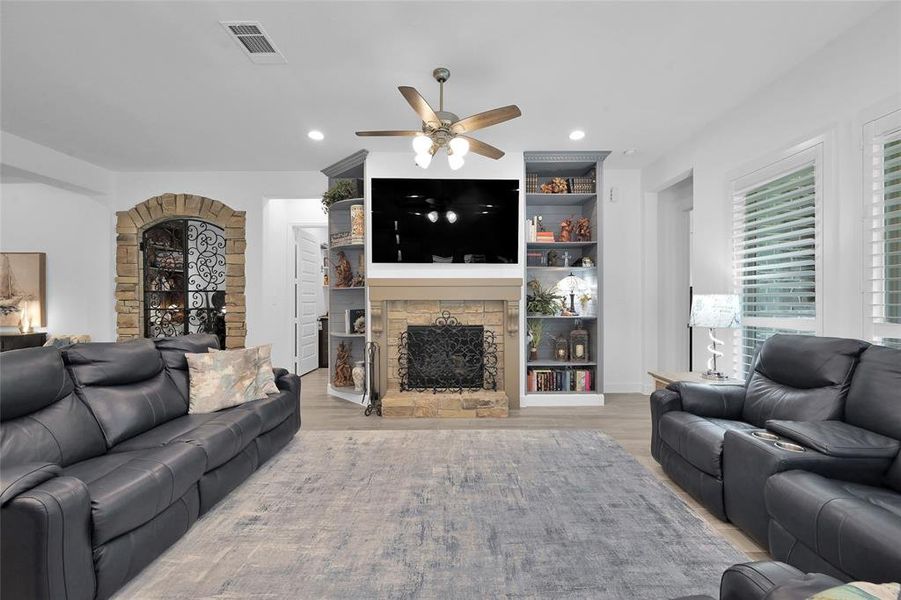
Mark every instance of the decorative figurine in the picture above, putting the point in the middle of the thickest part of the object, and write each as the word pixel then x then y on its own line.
pixel 343 274
pixel 356 223
pixel 566 229
pixel 359 376
pixel 566 258
pixel 552 257
pixel 583 229
pixel 343 370
pixel 587 262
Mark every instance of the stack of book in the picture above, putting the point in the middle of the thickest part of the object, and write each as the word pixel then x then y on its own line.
pixel 534 233
pixel 532 184
pixel 560 380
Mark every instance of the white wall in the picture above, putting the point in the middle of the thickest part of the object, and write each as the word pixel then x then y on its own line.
pixel 622 317
pixel 830 94
pixel 76 233
pixel 280 217
pixel 267 252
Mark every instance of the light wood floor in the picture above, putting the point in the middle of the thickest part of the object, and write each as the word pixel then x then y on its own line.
pixel 625 417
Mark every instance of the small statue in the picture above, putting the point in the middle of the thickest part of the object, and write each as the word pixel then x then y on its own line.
pixel 343 370
pixel 343 274
pixel 583 229
pixel 552 257
pixel 566 229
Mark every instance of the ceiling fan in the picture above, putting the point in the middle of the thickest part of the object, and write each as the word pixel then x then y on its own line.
pixel 444 129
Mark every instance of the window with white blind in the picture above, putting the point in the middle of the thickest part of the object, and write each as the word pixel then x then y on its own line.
pixel 776 251
pixel 882 221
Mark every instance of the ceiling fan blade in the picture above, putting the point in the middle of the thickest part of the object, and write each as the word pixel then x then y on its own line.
pixel 390 132
pixel 486 119
pixel 419 104
pixel 482 148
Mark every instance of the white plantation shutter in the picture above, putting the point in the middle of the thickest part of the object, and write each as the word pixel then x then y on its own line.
pixel 775 251
pixel 883 228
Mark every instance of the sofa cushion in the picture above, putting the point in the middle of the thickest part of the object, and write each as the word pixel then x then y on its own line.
pixel 221 435
pixel 853 527
pixel 874 400
pixel 128 489
pixel 699 440
pixel 223 379
pixel 125 386
pixel 173 350
pixel 43 420
pixel 801 378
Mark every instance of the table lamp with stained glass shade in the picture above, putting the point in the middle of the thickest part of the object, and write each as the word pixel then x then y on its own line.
pixel 572 285
pixel 715 311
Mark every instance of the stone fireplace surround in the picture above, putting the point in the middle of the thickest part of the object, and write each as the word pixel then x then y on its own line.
pixel 493 303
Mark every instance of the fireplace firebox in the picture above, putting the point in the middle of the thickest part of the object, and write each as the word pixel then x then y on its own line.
pixel 447 356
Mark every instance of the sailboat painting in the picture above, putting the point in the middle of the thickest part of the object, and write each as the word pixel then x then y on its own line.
pixel 22 281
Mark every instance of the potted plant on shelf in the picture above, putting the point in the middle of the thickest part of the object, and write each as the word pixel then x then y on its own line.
pixel 541 301
pixel 536 332
pixel 342 190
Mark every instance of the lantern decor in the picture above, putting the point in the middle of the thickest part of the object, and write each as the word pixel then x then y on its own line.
pixel 561 348
pixel 578 344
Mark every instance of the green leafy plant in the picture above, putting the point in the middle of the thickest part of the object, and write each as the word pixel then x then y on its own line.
pixel 541 301
pixel 342 190
pixel 536 332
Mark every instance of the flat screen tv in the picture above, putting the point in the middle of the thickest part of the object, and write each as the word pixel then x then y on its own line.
pixel 445 220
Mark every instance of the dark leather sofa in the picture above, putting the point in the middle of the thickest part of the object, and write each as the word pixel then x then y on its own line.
pixel 769 580
pixel 103 469
pixel 823 493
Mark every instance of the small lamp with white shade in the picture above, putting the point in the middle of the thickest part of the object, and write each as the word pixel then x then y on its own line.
pixel 715 311
pixel 572 285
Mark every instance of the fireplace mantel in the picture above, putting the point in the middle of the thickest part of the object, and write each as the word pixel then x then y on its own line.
pixel 463 294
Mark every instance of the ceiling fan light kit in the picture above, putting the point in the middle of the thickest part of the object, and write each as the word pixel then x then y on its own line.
pixel 444 129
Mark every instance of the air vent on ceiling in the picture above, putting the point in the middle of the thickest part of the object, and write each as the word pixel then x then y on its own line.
pixel 253 40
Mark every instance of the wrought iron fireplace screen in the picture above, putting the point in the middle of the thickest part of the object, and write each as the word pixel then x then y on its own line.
pixel 184 279
pixel 447 356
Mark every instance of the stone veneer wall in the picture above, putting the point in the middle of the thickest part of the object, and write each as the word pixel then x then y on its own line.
pixel 488 313
pixel 131 224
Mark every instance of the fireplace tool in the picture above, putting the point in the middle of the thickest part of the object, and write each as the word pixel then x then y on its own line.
pixel 372 381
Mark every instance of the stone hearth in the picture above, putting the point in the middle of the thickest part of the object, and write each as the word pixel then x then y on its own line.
pixel 397 304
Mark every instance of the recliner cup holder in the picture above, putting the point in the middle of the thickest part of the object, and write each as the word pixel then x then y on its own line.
pixel 766 435
pixel 789 446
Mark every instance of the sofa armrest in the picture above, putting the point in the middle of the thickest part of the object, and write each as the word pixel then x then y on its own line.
pixel 836 438
pixel 754 580
pixel 290 383
pixel 662 402
pixel 45 549
pixel 16 479
pixel 706 400
pixel 749 461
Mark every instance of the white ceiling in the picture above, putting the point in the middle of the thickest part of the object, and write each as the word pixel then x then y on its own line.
pixel 149 86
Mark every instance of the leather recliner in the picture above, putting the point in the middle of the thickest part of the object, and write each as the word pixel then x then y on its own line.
pixel 103 469
pixel 832 408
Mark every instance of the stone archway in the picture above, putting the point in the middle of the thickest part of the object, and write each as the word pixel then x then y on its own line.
pixel 129 227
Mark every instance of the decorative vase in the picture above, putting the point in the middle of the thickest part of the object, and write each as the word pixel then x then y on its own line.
pixel 533 353
pixel 359 375
pixel 356 223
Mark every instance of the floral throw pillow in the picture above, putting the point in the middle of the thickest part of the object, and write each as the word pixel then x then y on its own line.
pixel 220 380
pixel 265 377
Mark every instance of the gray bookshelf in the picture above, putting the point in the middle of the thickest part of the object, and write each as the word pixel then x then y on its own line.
pixel 554 208
pixel 342 299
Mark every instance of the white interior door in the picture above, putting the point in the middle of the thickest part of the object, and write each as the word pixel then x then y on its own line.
pixel 308 284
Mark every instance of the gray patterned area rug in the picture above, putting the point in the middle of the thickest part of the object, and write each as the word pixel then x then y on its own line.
pixel 445 514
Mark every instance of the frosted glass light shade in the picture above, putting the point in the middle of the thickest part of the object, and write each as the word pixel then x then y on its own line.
pixel 460 146
pixel 422 144
pixel 423 160
pixel 715 311
pixel 455 161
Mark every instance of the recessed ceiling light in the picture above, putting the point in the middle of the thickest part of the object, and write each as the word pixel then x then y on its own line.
pixel 576 135
pixel 630 151
pixel 317 135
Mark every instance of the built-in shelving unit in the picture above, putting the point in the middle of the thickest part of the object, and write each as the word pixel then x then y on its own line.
pixel 341 299
pixel 582 170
